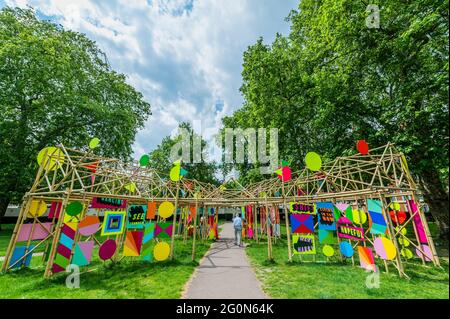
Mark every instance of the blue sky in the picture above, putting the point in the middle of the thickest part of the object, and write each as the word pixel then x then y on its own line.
pixel 185 56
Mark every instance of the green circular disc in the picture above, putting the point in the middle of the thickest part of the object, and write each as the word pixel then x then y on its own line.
pixel 145 159
pixel 313 161
pixel 74 208
pixel 406 253
pixel 94 143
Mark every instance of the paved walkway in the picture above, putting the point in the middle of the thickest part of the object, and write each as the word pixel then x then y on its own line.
pixel 224 272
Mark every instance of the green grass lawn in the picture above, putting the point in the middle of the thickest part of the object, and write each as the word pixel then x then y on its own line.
pixel 130 278
pixel 281 279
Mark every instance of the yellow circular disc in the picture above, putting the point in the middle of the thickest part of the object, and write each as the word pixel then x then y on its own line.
pixel 166 209
pixel 384 248
pixel 161 251
pixel 37 208
pixel 313 161
pixel 328 250
pixel 406 253
pixel 359 216
pixel 49 158
pixel 394 206
pixel 175 173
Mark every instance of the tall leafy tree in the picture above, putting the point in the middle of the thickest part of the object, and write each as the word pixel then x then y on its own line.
pixel 334 80
pixel 161 158
pixel 56 86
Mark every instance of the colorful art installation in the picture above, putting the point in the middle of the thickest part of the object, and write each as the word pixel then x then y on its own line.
pixel 74 208
pixel 149 233
pixel 166 209
pixel 113 223
pixel 284 173
pixel 55 210
pixel 377 223
pixel 110 203
pixel 89 225
pixel 37 208
pixel 151 210
pixel 50 158
pixel 346 249
pixel 423 238
pixel 302 223
pixel 326 237
pixel 362 147
pixel 325 213
pixel 342 209
pixel 163 230
pixel 398 217
pixel 64 250
pixel 161 251
pixel 121 189
pixel 133 243
pixel 107 249
pixel 345 229
pixel 177 172
pixel 136 216
pixel 303 244
pixel 18 258
pixel 313 161
pixel 300 208
pixel 94 143
pixel 366 259
pixel 35 231
pixel 357 216
pixel 82 255
pixel 384 248
pixel 427 254
pixel 328 250
pixel 144 160
pixel 407 253
pixel 131 187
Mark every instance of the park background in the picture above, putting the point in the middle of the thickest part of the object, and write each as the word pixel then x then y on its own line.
pixel 326 82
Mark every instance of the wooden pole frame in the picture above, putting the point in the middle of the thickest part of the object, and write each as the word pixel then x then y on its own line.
pixel 381 173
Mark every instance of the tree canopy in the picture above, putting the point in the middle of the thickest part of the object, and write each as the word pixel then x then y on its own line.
pixel 56 86
pixel 160 157
pixel 333 80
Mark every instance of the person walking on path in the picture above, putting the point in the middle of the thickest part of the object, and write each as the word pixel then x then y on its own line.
pixel 237 223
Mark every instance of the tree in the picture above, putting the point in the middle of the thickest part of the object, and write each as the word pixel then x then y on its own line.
pixel 333 81
pixel 56 86
pixel 161 161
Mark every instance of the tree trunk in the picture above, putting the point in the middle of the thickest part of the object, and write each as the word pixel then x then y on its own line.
pixel 436 196
pixel 4 202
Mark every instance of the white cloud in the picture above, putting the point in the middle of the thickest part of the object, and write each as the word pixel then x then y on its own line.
pixel 183 55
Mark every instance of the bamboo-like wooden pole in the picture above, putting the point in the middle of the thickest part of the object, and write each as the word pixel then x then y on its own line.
pixel 53 248
pixel 269 239
pixel 286 216
pixel 195 230
pixel 174 225
pixel 12 244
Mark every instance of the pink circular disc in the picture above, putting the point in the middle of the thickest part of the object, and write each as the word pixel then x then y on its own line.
pixel 107 249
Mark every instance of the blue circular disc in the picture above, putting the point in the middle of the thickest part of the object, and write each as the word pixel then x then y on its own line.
pixel 346 249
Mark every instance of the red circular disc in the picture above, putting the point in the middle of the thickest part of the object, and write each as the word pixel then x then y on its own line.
pixel 362 147
pixel 107 249
pixel 286 174
pixel 398 217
